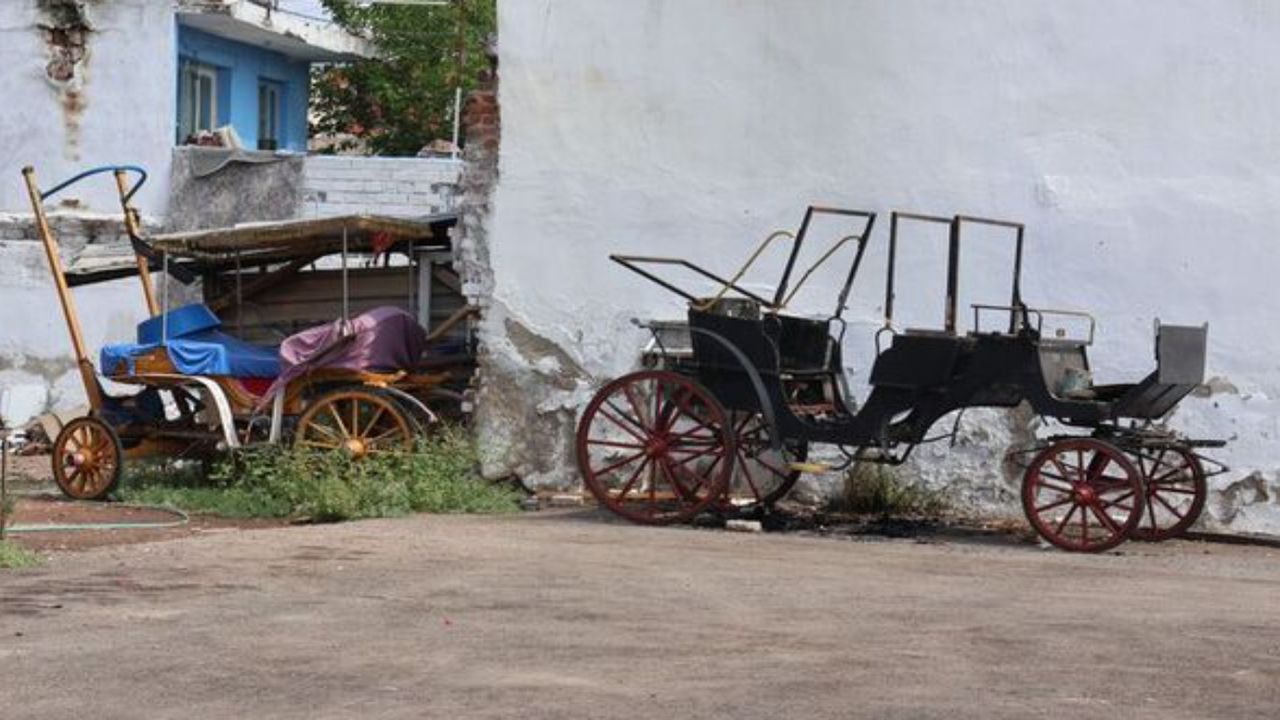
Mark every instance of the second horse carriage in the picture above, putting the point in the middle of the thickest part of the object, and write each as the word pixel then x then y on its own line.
pixel 360 384
pixel 739 394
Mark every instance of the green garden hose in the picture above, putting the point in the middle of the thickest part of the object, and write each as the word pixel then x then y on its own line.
pixel 182 520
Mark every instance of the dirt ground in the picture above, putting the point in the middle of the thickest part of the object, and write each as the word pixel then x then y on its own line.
pixel 38 502
pixel 561 614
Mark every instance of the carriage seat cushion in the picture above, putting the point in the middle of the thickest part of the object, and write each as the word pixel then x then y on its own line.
pixel 195 343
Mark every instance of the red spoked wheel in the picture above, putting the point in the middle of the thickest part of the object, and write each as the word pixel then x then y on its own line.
pixel 1082 495
pixel 1175 492
pixel 655 447
pixel 762 474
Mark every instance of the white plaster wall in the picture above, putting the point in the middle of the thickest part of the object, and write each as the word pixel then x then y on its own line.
pixel 126 85
pixel 1136 139
pixel 37 365
pixel 127 91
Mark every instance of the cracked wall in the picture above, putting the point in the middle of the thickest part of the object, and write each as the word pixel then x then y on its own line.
pixel 1145 165
pixel 67 31
pixel 87 82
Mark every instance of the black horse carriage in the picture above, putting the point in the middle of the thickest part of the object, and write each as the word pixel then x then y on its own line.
pixel 723 418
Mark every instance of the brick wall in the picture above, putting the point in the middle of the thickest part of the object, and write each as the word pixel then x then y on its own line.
pixel 72 231
pixel 337 185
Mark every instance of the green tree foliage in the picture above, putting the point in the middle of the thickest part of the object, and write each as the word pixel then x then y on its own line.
pixel 403 99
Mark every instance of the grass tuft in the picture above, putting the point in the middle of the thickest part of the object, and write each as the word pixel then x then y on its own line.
pixel 13 557
pixel 871 488
pixel 274 482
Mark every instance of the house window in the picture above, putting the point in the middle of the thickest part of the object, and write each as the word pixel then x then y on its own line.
pixel 269 114
pixel 197 99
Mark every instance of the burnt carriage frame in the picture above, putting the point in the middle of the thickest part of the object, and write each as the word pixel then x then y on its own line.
pixel 750 363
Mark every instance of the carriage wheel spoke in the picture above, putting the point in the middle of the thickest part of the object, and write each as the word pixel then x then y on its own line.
pixel 629 425
pixel 1062 525
pixel 1116 502
pixel 637 405
pixel 1056 488
pixel 613 443
pixel 1106 520
pixel 669 472
pixel 631 481
pixel 620 463
pixel 701 453
pixel 746 474
pixel 323 429
pixel 1096 466
pixel 338 417
pixel 1170 507
pixel 1054 504
pixel 372 421
pixel 1066 474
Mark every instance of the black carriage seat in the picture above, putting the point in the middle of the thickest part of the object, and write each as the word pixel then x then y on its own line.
pixel 917 361
pixel 1180 362
pixel 797 353
pixel 805 346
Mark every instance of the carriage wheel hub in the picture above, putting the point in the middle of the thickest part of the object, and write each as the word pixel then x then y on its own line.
pixel 356 447
pixel 657 447
pixel 1086 495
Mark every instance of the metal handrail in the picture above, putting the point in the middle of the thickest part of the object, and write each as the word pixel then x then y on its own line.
pixel 631 262
pixel 46 194
pixel 710 302
pixel 805 277
pixel 1039 313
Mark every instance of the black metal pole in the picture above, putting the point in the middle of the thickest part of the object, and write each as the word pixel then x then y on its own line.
pixel 953 275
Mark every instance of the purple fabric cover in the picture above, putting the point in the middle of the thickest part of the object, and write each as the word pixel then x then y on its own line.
pixel 384 339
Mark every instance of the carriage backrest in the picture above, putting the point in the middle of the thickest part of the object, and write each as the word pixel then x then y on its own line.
pixel 1065 367
pixel 1180 354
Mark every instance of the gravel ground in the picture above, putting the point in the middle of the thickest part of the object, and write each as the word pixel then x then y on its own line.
pixel 565 614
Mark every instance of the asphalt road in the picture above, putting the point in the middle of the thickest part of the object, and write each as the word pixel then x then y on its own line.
pixel 565 615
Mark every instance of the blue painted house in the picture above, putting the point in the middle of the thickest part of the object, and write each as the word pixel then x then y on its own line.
pixel 246 63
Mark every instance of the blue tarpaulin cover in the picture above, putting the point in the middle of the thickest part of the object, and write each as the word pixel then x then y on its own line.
pixel 196 346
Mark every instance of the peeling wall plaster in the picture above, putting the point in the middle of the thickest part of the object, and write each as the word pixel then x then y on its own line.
pixel 96 77
pixel 1136 140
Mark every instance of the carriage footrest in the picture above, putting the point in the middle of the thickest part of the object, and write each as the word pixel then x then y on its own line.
pixel 809 467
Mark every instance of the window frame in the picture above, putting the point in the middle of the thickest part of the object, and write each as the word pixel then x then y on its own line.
pixel 270 124
pixel 191 101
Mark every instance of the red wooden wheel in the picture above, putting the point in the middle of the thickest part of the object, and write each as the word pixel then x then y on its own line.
pixel 1175 492
pixel 762 474
pixel 87 459
pixel 1082 495
pixel 655 447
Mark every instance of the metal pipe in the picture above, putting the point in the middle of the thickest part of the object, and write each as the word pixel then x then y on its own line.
pixel 746 266
pixel 413 281
pixel 893 255
pixel 346 290
pixel 843 300
pixel 791 259
pixel 953 276
pixel 239 296
pixel 164 299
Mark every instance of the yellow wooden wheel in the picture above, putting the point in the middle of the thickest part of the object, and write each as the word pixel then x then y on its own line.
pixel 357 422
pixel 87 459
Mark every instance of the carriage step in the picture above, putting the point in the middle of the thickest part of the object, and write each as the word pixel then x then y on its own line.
pixel 809 467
